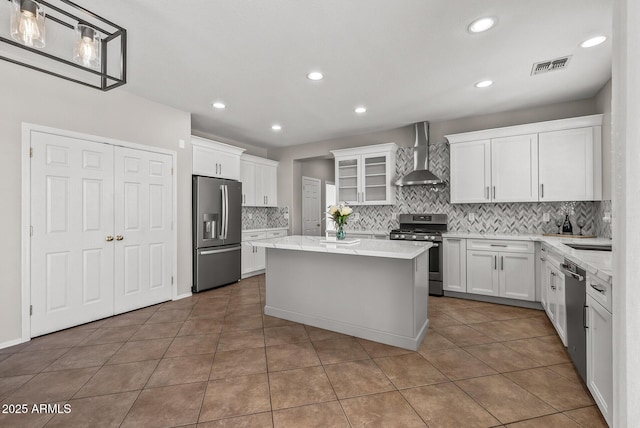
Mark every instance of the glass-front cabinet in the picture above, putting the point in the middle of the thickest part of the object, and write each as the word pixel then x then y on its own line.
pixel 364 175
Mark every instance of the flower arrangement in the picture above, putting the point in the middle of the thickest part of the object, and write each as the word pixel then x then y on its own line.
pixel 339 214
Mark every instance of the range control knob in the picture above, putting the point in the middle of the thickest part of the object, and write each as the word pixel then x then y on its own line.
pixel 414 237
pixel 402 236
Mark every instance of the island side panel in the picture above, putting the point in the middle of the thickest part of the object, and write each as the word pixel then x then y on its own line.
pixel 369 297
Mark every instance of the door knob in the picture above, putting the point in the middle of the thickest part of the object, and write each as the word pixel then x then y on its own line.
pixel 119 237
pixel 109 238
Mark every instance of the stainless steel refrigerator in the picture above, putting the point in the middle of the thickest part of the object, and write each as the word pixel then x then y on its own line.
pixel 217 229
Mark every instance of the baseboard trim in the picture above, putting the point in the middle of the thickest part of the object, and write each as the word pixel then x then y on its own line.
pixel 13 342
pixel 183 296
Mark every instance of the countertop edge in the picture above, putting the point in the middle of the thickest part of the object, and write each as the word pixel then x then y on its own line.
pixel 558 243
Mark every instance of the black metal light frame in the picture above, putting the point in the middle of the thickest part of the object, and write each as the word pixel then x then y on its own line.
pixel 105 78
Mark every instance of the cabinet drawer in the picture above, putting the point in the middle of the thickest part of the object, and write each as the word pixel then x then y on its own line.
pixel 276 233
pixel 501 245
pixel 253 236
pixel 600 291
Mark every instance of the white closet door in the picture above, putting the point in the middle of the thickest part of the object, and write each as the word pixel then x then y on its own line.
pixel 143 214
pixel 71 215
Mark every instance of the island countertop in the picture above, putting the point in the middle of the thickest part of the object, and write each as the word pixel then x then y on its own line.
pixel 366 247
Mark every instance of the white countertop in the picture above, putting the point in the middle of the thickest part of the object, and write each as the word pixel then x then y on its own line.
pixel 366 247
pixel 596 263
pixel 264 229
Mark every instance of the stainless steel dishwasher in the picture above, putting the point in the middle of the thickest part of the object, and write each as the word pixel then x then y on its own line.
pixel 575 300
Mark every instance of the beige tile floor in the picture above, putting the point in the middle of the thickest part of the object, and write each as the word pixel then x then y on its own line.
pixel 213 360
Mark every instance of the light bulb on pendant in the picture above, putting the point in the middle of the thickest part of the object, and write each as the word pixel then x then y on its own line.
pixel 87 47
pixel 27 23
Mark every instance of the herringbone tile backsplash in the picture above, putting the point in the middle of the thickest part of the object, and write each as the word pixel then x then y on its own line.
pixel 263 218
pixel 499 218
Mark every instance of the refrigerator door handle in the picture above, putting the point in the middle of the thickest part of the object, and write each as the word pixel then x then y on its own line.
pixel 224 250
pixel 223 219
pixel 226 211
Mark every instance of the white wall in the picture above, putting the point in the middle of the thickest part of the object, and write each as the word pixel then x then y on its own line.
pixel 626 212
pixel 30 96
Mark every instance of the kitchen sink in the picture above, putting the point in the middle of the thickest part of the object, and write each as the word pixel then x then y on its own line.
pixel 590 247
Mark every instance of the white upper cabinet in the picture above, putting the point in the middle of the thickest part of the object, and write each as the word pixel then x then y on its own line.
pixel 471 172
pixel 514 168
pixel 364 174
pixel 570 165
pixel 214 159
pixel 558 160
pixel 259 179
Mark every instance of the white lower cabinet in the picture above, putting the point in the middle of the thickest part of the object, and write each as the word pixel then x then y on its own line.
pixel 552 292
pixel 254 258
pixel 600 351
pixel 455 264
pixel 501 268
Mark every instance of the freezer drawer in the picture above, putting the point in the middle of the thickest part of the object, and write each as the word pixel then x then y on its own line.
pixel 214 267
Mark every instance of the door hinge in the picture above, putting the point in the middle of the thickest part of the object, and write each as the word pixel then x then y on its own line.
pixel 30 309
pixel 30 152
pixel 30 230
pixel 171 279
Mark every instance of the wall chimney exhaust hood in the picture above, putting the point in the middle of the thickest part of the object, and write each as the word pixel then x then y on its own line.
pixel 421 176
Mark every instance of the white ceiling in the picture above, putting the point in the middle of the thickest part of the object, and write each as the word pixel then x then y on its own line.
pixel 405 60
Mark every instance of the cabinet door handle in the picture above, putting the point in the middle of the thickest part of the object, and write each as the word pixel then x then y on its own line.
pixel 584 316
pixel 542 191
pixel 542 259
pixel 486 192
pixel 598 289
pixel 501 262
pixel 495 262
pixel 494 192
pixel 498 245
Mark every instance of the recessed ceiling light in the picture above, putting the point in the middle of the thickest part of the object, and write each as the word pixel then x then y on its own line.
pixel 276 127
pixel 218 105
pixel 315 75
pixel 484 83
pixel 482 24
pixel 594 41
pixel 360 110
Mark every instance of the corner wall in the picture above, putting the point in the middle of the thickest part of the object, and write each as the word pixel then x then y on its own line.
pixel 30 96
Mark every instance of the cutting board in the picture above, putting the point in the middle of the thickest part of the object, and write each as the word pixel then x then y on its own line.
pixel 560 235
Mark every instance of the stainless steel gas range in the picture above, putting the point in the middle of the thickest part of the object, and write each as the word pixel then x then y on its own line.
pixel 425 228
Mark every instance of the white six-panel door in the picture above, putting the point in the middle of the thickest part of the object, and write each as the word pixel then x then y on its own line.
pixel 102 240
pixel 143 213
pixel 71 216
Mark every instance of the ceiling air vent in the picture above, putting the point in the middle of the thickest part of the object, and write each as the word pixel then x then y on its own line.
pixel 552 65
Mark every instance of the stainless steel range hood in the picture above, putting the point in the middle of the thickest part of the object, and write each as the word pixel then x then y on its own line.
pixel 421 176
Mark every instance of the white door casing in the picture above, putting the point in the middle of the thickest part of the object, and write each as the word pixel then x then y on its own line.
pixel 142 206
pixel 311 206
pixel 71 215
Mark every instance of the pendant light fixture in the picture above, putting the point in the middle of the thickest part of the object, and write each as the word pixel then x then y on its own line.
pixel 27 23
pixel 83 47
pixel 87 48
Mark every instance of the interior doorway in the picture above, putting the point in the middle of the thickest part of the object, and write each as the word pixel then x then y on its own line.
pixel 311 207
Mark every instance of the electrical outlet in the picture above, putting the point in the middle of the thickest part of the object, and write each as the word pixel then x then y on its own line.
pixel 286 216
pixel 394 216
pixel 546 217
pixel 181 144
pixel 471 217
pixel 607 217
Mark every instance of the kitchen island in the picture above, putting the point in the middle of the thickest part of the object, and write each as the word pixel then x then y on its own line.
pixel 373 289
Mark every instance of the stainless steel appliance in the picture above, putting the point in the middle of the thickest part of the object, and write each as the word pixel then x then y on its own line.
pixel 425 228
pixel 575 299
pixel 217 229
